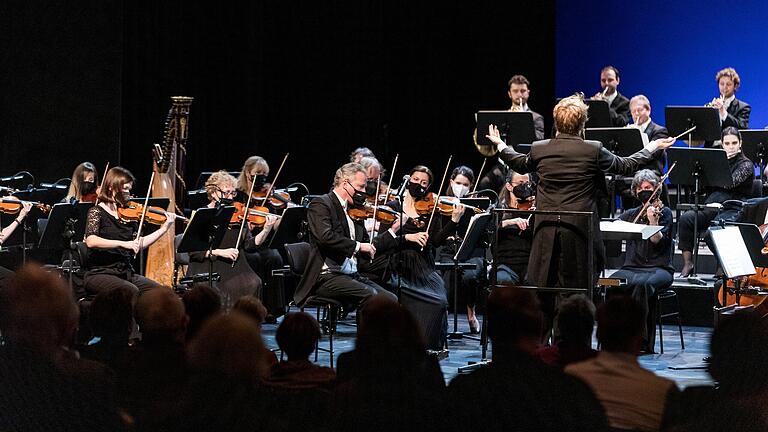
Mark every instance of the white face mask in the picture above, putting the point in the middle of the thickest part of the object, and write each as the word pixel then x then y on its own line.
pixel 459 190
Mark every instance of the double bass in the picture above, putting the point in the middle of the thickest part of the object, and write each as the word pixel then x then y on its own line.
pixel 169 164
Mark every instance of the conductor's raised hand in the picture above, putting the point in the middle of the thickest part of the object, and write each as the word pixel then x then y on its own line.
pixel 494 135
pixel 660 144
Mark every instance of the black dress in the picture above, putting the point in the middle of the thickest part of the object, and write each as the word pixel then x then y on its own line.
pixel 111 268
pixel 235 282
pixel 422 290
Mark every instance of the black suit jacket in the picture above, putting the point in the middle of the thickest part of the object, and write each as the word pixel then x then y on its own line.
pixel 538 125
pixel 619 110
pixel 654 132
pixel 738 115
pixel 571 175
pixel 330 242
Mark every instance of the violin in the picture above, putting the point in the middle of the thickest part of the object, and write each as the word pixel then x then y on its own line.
pixel 256 215
pixel 384 214
pixel 154 215
pixel 278 199
pixel 425 205
pixel 655 204
pixel 13 206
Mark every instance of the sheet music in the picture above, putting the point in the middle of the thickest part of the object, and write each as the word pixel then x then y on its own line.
pixel 732 252
pixel 620 226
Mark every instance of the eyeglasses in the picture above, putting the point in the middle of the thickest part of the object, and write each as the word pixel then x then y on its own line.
pixel 228 193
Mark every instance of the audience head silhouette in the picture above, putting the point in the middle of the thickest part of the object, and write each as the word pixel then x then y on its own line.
pixel 201 302
pixel 739 350
pixel 251 306
pixel 620 324
pixel 514 320
pixel 111 314
pixel 297 335
pixel 229 345
pixel 37 310
pixel 160 315
pixel 576 320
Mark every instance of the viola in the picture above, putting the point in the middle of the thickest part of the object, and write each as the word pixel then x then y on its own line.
pixel 13 206
pixel 154 215
pixel 384 214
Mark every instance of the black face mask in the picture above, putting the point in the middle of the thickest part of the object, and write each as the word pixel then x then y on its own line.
pixel 226 201
pixel 416 190
pixel 358 198
pixel 524 191
pixel 123 198
pixel 644 196
pixel 87 187
pixel 370 187
pixel 259 180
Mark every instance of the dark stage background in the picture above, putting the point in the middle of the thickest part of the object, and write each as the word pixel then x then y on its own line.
pixel 92 81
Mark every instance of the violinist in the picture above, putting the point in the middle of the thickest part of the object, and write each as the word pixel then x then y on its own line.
pixel 461 180
pixel 338 244
pixel 239 280
pixel 516 233
pixel 262 259
pixel 82 187
pixel 113 242
pixel 359 153
pixel 742 173
pixel 422 290
pixel 372 171
pixel 6 232
pixel 648 263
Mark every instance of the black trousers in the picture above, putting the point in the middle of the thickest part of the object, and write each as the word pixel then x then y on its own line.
pixel 685 226
pixel 263 261
pixel 351 290
pixel 98 282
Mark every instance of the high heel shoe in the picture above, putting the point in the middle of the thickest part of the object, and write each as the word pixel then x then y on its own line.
pixel 474 325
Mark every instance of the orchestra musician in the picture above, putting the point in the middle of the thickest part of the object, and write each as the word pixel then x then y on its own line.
pixel 262 259
pixel 461 180
pixel 422 290
pixel 82 187
pixel 571 173
pixel 618 104
pixel 239 280
pixel 360 153
pixel 6 232
pixel 113 242
pixel 742 174
pixel 516 233
pixel 518 93
pixel 648 263
pixel 339 244
pixel 733 112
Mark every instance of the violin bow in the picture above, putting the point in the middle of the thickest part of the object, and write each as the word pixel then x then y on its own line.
pixel 437 199
pixel 101 186
pixel 274 180
pixel 658 186
pixel 477 177
pixel 375 207
pixel 391 178
pixel 144 210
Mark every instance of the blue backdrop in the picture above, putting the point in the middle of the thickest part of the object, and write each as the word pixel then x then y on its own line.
pixel 668 50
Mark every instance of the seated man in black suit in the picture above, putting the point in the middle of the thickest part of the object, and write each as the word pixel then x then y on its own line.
pixel 618 105
pixel 339 244
pixel 518 93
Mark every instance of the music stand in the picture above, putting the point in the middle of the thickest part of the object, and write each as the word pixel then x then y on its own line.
pixel 477 228
pixel 598 115
pixel 203 177
pixel 515 127
pixel 205 231
pixel 681 118
pixel 292 228
pixel 197 199
pixel 734 256
pixel 699 167
pixel 65 227
pixel 754 145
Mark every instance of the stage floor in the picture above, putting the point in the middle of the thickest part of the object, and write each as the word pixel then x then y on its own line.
pixel 674 364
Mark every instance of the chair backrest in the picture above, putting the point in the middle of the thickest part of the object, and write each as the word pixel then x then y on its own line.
pixel 182 258
pixel 297 255
pixel 757 188
pixel 81 254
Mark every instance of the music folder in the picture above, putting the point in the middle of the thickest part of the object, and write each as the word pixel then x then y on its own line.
pixel 732 252
pixel 623 230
